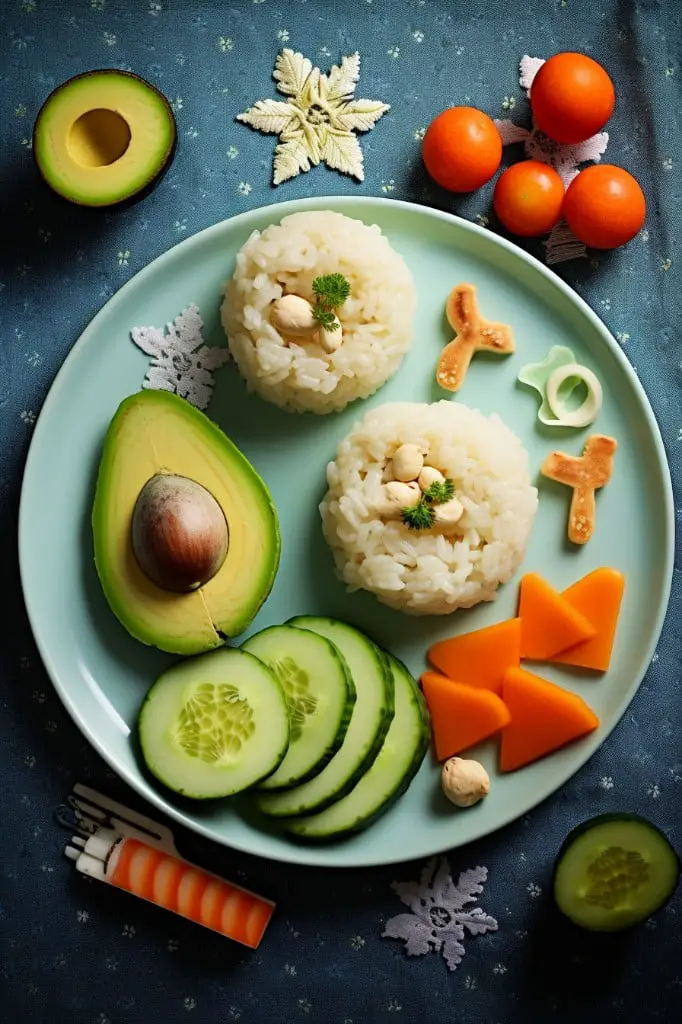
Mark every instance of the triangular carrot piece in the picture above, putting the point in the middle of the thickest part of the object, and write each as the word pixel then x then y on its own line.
pixel 597 596
pixel 480 658
pixel 549 623
pixel 544 717
pixel 461 716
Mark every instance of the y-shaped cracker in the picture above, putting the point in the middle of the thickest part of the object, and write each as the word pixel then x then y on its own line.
pixel 585 475
pixel 474 334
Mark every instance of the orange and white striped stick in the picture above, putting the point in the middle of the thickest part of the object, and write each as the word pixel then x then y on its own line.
pixel 134 853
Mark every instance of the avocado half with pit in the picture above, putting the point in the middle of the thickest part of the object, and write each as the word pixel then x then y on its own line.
pixel 103 137
pixel 186 535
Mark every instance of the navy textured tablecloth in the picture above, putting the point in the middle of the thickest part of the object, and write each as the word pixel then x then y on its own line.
pixel 83 953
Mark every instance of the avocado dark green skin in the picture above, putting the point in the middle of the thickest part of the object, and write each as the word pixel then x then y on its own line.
pixel 145 190
pixel 605 819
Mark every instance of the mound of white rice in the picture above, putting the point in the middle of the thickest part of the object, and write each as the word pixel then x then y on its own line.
pixel 422 572
pixel 376 318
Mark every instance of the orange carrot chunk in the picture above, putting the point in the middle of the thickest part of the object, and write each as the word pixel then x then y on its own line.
pixel 480 658
pixel 597 596
pixel 461 716
pixel 549 623
pixel 544 717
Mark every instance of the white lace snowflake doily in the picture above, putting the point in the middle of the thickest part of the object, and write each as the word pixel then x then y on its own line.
pixel 567 160
pixel 439 912
pixel 181 362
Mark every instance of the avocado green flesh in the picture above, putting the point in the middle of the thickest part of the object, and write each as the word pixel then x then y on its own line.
pixel 157 432
pixel 102 137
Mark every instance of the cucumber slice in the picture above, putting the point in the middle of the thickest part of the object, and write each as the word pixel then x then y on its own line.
pixel 215 724
pixel 388 776
pixel 372 715
pixel 320 694
pixel 614 871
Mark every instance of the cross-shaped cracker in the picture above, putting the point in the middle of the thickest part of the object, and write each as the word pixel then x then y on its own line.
pixel 585 474
pixel 474 334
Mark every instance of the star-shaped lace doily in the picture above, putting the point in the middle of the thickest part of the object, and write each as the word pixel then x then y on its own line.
pixel 181 362
pixel 317 121
pixel 439 915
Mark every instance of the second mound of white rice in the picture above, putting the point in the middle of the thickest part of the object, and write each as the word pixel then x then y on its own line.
pixel 423 572
pixel 376 319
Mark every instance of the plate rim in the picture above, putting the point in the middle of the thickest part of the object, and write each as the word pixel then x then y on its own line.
pixel 296 854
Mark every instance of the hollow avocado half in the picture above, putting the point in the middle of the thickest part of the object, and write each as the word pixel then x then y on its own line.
pixel 156 432
pixel 103 137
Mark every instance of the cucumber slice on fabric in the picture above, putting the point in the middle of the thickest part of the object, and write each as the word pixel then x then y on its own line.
pixel 372 715
pixel 389 775
pixel 614 871
pixel 320 695
pixel 215 724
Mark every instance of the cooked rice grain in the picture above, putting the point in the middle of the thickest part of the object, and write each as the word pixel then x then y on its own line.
pixel 422 572
pixel 376 318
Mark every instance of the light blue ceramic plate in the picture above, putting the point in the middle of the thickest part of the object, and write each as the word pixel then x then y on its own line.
pixel 102 674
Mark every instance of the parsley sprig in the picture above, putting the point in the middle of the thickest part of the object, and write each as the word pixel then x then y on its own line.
pixel 422 516
pixel 331 291
pixel 440 491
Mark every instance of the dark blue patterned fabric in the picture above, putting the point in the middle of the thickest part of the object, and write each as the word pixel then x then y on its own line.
pixel 80 952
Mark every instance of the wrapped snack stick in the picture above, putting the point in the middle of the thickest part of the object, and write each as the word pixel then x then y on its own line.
pixel 134 853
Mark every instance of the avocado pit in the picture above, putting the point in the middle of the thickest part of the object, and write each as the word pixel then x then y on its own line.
pixel 179 533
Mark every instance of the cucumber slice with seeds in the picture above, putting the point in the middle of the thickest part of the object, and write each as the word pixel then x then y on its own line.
pixel 320 695
pixel 387 778
pixel 214 724
pixel 614 871
pixel 372 715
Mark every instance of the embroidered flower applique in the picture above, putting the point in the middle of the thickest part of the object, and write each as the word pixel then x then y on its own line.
pixel 181 362
pixel 438 917
pixel 566 159
pixel 317 120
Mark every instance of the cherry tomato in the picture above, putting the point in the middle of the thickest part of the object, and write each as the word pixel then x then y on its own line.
pixel 462 149
pixel 528 198
pixel 604 206
pixel 571 97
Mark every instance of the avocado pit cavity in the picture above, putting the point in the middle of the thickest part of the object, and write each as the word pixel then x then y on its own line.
pixel 98 138
pixel 179 533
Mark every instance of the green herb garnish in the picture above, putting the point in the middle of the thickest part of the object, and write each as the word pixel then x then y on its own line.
pixel 438 492
pixel 420 516
pixel 331 291
pixel 326 318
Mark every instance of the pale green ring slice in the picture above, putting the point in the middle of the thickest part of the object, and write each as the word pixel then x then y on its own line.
pixel 585 413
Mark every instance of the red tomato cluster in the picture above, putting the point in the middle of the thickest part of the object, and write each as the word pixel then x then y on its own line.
pixel 572 98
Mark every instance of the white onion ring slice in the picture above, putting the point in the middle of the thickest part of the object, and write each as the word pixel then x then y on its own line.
pixel 586 413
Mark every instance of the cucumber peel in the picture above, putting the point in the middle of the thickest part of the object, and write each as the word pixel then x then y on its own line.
pixel 214 724
pixel 614 871
pixel 387 778
pixel 370 721
pixel 320 695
